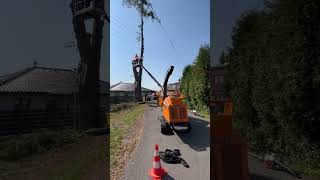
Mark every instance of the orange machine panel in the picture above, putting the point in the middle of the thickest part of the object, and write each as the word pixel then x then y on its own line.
pixel 160 100
pixel 230 158
pixel 174 111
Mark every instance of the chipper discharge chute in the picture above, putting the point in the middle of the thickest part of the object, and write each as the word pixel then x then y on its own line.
pixel 174 111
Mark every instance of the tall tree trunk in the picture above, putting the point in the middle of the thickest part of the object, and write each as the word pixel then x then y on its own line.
pixel 137 70
pixel 141 56
pixel 83 41
pixel 142 38
pixel 89 46
pixel 98 120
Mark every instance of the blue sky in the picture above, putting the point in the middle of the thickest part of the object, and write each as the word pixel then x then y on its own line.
pixel 38 31
pixel 186 24
pixel 225 14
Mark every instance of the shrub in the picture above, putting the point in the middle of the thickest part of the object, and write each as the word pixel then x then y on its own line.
pixel 24 145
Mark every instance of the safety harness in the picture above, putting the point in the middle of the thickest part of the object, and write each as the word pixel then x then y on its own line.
pixel 173 157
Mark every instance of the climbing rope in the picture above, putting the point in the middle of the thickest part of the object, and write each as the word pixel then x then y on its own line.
pixel 173 157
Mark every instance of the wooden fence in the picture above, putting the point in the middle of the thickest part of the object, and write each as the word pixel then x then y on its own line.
pixel 16 122
pixel 120 99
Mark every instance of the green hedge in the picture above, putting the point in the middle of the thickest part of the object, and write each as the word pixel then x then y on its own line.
pixel 195 84
pixel 273 77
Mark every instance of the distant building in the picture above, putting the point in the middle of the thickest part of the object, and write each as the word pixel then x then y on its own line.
pixel 43 93
pixel 124 92
pixel 174 87
pixel 36 88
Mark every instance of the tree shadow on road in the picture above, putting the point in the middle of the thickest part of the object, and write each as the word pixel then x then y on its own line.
pixel 199 136
pixel 153 104
pixel 167 177
pixel 260 177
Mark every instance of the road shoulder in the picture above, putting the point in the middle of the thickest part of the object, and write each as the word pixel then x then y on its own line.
pixel 128 145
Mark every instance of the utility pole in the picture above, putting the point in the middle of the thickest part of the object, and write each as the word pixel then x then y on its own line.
pixel 89 45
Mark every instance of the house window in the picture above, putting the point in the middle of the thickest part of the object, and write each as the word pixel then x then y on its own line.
pixel 19 101
pixel 22 102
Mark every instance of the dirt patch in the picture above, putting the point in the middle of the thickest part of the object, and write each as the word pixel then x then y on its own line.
pixel 129 142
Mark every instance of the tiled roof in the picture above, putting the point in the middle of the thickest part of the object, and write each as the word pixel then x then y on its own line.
pixel 128 87
pixel 43 80
pixel 7 77
pixel 176 83
pixel 115 85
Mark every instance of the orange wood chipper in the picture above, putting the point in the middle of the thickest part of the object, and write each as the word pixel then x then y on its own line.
pixel 174 111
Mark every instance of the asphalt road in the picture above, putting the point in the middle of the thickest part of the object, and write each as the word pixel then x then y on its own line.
pixel 194 148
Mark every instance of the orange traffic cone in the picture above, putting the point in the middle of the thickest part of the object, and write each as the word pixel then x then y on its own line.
pixel 269 161
pixel 157 172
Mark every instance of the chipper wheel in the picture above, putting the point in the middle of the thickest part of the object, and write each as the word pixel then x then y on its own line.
pixel 165 127
pixel 189 127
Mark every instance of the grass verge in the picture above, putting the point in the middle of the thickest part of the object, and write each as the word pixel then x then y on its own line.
pixel 205 114
pixel 305 163
pixel 120 122
pixel 121 106
pixel 84 158
pixel 24 145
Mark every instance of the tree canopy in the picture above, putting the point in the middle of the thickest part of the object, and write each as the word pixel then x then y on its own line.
pixel 144 7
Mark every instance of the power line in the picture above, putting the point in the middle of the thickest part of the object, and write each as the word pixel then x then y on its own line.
pixel 115 19
pixel 114 32
pixel 116 28
pixel 168 37
pixel 118 24
pixel 162 27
